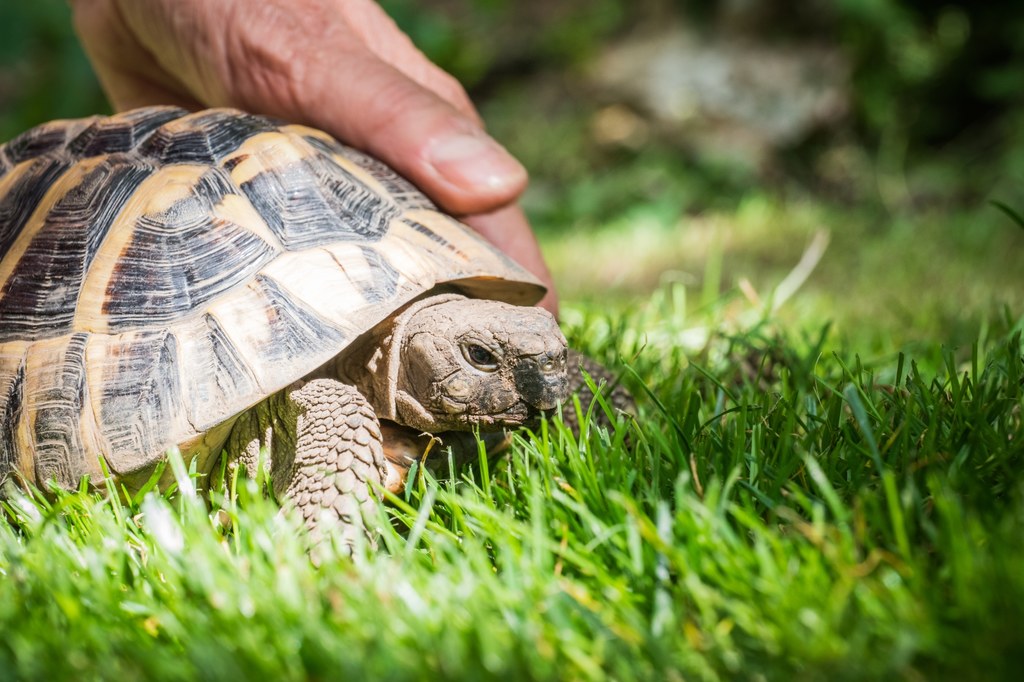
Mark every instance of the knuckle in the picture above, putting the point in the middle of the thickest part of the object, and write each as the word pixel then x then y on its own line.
pixel 264 60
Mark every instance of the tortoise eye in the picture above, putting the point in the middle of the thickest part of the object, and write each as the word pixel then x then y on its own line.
pixel 480 357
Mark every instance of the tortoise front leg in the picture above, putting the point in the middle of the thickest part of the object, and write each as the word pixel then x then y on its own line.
pixel 325 448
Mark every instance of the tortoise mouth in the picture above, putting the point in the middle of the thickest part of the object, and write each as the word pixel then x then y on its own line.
pixel 520 414
pixel 404 446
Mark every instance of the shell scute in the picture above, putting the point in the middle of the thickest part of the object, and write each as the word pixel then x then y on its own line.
pixel 38 294
pixel 120 133
pixel 12 384
pixel 402 192
pixel 36 142
pixel 181 258
pixel 135 390
pixel 21 190
pixel 312 201
pixel 385 280
pixel 277 334
pixel 217 372
pixel 55 392
pixel 202 138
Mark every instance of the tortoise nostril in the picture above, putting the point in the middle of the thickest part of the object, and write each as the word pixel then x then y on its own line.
pixel 551 362
pixel 542 380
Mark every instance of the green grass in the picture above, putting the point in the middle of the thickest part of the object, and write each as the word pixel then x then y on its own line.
pixel 921 250
pixel 776 511
pixel 790 502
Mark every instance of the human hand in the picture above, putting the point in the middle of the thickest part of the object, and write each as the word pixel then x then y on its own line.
pixel 339 65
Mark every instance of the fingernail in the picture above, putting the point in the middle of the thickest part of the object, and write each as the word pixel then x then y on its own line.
pixel 475 162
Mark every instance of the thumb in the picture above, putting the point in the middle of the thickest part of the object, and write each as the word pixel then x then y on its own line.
pixel 443 151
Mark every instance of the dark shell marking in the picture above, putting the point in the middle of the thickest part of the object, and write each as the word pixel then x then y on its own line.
pixel 297 203
pixel 119 133
pixel 161 272
pixel 39 295
pixel 180 259
pixel 11 391
pixel 55 404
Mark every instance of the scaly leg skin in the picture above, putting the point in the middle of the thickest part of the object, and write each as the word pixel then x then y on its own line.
pixel 325 448
pixel 615 394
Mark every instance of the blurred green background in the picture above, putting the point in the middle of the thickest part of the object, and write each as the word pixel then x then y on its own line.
pixel 43 72
pixel 906 124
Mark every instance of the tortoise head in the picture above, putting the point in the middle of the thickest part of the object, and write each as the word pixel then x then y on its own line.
pixel 468 363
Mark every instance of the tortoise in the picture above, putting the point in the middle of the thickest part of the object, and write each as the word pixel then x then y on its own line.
pixel 222 282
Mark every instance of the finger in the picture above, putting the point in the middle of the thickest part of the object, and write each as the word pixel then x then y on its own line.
pixel 129 74
pixel 127 90
pixel 508 229
pixel 446 154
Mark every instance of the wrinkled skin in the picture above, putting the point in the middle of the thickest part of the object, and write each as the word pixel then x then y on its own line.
pixel 339 65
pixel 452 363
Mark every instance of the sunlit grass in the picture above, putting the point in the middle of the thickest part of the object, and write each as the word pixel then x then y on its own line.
pixel 920 253
pixel 773 511
pixel 884 282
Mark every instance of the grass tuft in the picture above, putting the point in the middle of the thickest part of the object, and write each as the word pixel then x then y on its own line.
pixel 776 509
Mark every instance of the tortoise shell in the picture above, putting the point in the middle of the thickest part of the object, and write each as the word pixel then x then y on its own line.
pixel 162 271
